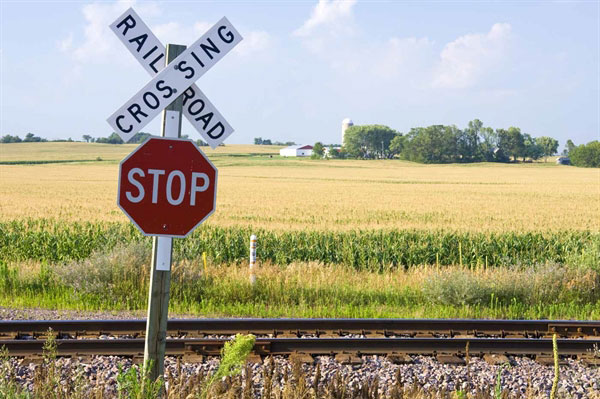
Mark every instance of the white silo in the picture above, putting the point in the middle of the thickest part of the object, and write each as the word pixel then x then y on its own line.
pixel 346 123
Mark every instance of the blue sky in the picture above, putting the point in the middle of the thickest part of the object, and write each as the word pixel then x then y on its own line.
pixel 306 65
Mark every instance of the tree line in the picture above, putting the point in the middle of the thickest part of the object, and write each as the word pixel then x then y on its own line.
pixel 29 138
pixel 449 144
pixel 114 138
pixel 261 141
pixel 587 155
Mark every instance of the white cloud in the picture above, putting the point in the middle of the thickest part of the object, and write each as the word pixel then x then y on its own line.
pixel 402 62
pixel 254 41
pixel 200 28
pixel 333 15
pixel 65 44
pixel 174 32
pixel 466 60
pixel 98 40
pixel 407 57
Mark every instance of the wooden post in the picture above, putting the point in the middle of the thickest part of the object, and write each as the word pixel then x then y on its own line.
pixel 162 249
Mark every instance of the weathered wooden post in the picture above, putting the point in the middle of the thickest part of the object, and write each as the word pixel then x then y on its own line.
pixel 162 250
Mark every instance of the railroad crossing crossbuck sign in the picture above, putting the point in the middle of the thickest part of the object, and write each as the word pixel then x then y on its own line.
pixel 167 186
pixel 173 80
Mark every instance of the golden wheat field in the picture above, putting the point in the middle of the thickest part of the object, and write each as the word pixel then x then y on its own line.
pixel 256 187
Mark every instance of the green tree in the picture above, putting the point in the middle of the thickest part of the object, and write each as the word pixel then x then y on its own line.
pixel 87 138
pixel 568 147
pixel 433 144
pixel 335 152
pixel 258 140
pixel 10 139
pixel 112 139
pixel 586 155
pixel 548 145
pixel 510 142
pixel 531 149
pixel 139 137
pixel 397 144
pixel 32 138
pixel 468 142
pixel 488 144
pixel 318 150
pixel 368 141
pixel 267 142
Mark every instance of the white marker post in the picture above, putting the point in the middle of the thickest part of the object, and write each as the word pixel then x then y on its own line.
pixel 252 259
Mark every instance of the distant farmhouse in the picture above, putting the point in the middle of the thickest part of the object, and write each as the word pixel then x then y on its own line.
pixel 296 151
pixel 307 150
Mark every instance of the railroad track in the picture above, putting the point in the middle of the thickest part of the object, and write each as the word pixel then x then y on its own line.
pixel 349 338
pixel 290 328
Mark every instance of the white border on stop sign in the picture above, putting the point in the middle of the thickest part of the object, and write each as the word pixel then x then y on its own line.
pixel 175 78
pixel 197 224
pixel 148 50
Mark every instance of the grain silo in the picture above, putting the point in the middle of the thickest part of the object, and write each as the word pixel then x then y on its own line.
pixel 346 123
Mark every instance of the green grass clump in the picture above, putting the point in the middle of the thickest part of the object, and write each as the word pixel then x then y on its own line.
pixel 134 383
pixel 377 250
pixel 233 358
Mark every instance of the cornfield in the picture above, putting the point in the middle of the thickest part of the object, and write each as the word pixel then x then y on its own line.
pixel 377 250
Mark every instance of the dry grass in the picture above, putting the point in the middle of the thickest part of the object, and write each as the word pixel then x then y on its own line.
pixel 277 193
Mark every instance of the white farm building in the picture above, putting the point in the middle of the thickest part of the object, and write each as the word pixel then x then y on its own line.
pixel 296 151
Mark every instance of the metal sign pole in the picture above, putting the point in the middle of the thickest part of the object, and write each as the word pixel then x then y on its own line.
pixel 162 249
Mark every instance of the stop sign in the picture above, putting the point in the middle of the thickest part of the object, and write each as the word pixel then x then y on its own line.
pixel 167 187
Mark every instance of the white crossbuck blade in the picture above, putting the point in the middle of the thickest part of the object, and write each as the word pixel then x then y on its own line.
pixel 172 80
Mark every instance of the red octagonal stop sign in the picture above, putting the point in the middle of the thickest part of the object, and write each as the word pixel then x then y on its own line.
pixel 167 187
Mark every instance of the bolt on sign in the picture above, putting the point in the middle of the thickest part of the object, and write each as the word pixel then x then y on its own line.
pixel 173 80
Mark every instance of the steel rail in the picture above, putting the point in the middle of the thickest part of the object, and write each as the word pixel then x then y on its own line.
pixel 313 346
pixel 299 327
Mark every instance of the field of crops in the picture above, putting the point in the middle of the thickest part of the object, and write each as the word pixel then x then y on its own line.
pixel 336 238
pixel 259 189
pixel 47 240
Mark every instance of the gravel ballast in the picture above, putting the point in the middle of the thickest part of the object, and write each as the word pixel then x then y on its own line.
pixel 524 378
